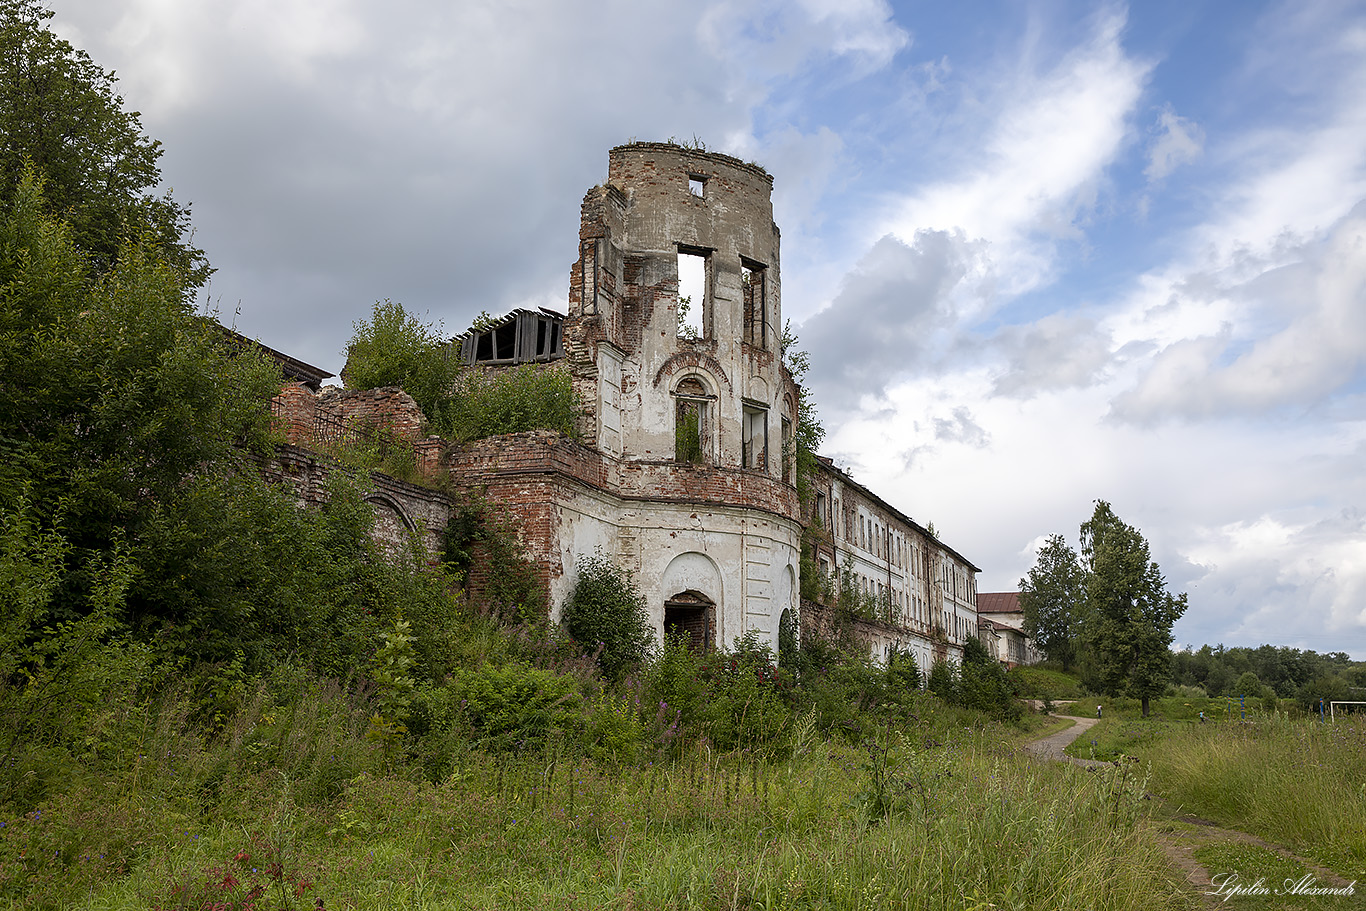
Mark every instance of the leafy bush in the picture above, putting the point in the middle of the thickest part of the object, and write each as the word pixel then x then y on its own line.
pixel 943 681
pixel 485 403
pixel 732 699
pixel 903 674
pixel 515 706
pixel 843 689
pixel 983 684
pixel 394 348
pixel 606 614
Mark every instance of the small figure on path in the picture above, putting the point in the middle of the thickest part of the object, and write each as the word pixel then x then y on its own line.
pixel 1097 711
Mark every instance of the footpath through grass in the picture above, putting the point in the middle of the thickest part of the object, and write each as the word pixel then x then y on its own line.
pixel 1299 783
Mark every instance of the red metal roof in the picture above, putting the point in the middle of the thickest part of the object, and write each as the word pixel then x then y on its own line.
pixel 998 602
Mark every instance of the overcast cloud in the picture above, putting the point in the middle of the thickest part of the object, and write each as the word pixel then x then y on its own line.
pixel 1041 253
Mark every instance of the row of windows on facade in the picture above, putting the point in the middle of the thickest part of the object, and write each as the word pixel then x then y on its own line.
pixel 694 430
pixel 871 536
pixel 909 608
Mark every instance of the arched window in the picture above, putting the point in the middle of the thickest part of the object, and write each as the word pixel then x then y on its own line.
pixel 693 406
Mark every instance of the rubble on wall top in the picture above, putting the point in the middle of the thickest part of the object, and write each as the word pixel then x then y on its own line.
pixel 680 149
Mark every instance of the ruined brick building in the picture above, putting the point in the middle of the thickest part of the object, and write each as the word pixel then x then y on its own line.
pixel 683 470
pixel 683 473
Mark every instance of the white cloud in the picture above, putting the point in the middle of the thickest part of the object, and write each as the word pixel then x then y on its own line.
pixel 1039 165
pixel 1056 351
pixel 896 312
pixel 1178 141
pixel 1317 306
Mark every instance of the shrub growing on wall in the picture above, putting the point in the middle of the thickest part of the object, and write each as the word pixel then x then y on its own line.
pixel 487 403
pixel 395 348
pixel 606 614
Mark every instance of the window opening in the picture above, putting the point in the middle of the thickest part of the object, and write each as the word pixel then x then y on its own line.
pixel 753 294
pixel 697 185
pixel 691 414
pixel 692 295
pixel 505 341
pixel 754 440
pixel 588 257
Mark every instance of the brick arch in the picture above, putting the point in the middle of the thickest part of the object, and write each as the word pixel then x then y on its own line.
pixel 685 359
pixel 393 530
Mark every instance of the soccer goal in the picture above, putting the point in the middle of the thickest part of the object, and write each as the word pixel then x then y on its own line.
pixel 1348 708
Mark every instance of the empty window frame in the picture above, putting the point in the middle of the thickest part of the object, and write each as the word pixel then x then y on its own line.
pixel 588 265
pixel 694 278
pixel 697 185
pixel 819 512
pixel 692 419
pixel 754 437
pixel 753 279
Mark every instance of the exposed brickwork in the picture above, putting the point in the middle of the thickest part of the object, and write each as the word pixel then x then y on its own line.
pixel 389 407
pixel 347 416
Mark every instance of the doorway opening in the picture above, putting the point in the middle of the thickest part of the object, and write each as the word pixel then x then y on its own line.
pixel 690 617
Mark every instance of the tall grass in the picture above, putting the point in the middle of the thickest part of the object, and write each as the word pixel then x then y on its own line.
pixel 1299 783
pixel 286 804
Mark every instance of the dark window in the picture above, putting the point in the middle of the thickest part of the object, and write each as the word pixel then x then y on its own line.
pixel 688 618
pixel 754 438
pixel 754 294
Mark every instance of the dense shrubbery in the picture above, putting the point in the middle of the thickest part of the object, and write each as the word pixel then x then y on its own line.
pixel 509 586
pixel 394 348
pixel 487 403
pixel 606 615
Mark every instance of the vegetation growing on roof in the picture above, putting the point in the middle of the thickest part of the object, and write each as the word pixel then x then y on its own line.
pixel 395 348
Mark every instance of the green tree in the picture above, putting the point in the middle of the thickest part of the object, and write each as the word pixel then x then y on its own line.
pixel 395 348
pixel 1247 685
pixel 61 115
pixel 1129 610
pixel 1052 597
pixel 606 614
pixel 115 392
pixel 809 433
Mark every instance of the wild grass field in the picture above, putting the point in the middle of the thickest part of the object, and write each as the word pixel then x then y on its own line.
pixel 290 806
pixel 1298 782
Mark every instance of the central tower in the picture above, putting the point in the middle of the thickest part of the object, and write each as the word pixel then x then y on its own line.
pixel 673 341
pixel 676 312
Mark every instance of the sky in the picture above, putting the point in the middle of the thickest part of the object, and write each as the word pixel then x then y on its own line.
pixel 1040 253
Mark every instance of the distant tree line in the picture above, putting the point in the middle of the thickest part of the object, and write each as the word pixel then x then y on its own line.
pixel 1286 673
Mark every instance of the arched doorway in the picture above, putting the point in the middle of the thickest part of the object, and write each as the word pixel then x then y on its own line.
pixel 691 617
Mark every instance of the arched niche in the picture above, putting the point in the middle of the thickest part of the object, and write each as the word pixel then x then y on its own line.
pixel 692 599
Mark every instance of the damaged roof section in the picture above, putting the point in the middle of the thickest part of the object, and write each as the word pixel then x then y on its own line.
pixel 520 337
pixel 291 368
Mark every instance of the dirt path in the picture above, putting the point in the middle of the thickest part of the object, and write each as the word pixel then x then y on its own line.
pixel 1052 746
pixel 1184 834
